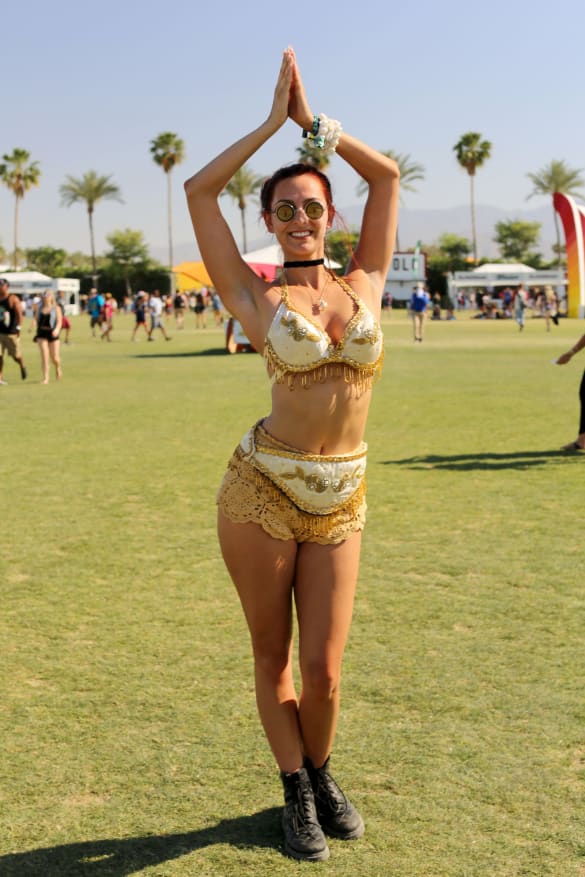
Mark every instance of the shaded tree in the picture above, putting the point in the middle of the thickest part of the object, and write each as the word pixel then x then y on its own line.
pixel 340 246
pixel 128 253
pixel 47 260
pixel 456 250
pixel 517 239
pixel 242 186
pixel 554 177
pixel 89 189
pixel 472 152
pixel 167 151
pixel 313 157
pixel 19 174
pixel 410 172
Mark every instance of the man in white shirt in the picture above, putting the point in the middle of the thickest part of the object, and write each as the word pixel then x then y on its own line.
pixel 156 307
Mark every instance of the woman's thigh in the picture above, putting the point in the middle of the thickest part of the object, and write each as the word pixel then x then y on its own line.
pixel 262 569
pixel 325 583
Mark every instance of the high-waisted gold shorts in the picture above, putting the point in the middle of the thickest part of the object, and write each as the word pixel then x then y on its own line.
pixel 248 495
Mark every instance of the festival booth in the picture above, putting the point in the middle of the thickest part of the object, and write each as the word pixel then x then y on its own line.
pixel 494 276
pixel 30 283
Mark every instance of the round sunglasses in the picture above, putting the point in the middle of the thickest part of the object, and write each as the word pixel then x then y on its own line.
pixel 286 210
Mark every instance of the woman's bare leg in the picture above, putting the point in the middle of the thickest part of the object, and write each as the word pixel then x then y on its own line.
pixel 44 348
pixel 263 569
pixel 55 358
pixel 325 585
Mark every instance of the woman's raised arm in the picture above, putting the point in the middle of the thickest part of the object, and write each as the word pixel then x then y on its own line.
pixel 231 276
pixel 378 232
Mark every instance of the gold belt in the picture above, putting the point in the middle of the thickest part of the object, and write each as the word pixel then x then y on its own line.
pixel 317 483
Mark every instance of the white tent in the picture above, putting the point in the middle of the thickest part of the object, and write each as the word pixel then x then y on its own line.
pixel 27 283
pixel 493 275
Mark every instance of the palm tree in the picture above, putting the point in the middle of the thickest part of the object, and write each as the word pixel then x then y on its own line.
pixel 556 177
pixel 243 184
pixel 472 152
pixel 168 150
pixel 90 188
pixel 314 157
pixel 19 174
pixel 410 172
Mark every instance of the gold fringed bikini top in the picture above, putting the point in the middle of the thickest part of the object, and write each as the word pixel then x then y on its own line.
pixel 296 346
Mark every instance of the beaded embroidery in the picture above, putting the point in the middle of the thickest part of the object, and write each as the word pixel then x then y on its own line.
pixel 313 357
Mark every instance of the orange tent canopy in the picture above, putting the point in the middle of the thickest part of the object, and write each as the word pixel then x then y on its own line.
pixel 192 274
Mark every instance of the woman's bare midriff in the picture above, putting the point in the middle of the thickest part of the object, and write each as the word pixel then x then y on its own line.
pixel 323 418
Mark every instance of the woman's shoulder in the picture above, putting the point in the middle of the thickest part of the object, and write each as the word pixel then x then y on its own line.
pixel 365 286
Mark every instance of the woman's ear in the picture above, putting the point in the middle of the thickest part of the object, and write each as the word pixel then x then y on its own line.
pixel 330 216
pixel 268 221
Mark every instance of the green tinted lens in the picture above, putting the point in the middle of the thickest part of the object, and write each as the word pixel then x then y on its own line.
pixel 285 212
pixel 314 209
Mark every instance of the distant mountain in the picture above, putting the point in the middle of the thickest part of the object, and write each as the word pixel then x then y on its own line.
pixel 426 226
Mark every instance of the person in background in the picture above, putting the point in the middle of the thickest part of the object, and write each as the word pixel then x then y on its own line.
pixel 10 325
pixel 95 308
pixel 520 305
pixel 156 308
pixel 108 319
pixel 291 508
pixel 140 314
pixel 216 307
pixel 49 322
pixel 199 310
pixel 66 322
pixel 579 443
pixel 419 305
pixel 180 304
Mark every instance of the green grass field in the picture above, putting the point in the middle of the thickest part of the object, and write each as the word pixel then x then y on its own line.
pixel 130 741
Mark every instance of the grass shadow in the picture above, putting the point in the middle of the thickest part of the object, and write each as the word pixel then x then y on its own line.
pixel 117 857
pixel 486 461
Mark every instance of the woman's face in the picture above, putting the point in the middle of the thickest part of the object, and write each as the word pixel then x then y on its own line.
pixel 301 235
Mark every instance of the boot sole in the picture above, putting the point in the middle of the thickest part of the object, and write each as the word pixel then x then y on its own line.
pixel 350 835
pixel 320 856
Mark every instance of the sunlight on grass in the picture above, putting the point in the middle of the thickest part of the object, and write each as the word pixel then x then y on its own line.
pixel 129 730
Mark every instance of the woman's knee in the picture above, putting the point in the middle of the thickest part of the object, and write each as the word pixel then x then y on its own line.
pixel 321 677
pixel 272 660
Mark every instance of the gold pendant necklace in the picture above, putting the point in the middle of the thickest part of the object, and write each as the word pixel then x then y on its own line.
pixel 320 305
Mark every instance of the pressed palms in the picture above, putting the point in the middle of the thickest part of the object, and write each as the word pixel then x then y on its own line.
pixel 410 172
pixel 168 150
pixel 243 184
pixel 471 153
pixel 557 177
pixel 90 188
pixel 19 174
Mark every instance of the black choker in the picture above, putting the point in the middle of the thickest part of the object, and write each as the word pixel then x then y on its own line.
pixel 309 263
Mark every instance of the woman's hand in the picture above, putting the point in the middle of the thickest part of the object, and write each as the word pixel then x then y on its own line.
pixel 279 111
pixel 565 358
pixel 298 105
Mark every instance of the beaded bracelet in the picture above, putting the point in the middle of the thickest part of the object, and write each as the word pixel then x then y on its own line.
pixel 324 134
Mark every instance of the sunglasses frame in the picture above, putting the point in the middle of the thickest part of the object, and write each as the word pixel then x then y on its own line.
pixel 295 209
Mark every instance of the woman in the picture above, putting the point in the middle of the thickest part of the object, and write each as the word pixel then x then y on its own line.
pixel 49 322
pixel 579 443
pixel 292 503
pixel 108 321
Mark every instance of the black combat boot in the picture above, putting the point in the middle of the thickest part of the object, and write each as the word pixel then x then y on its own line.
pixel 337 816
pixel 303 837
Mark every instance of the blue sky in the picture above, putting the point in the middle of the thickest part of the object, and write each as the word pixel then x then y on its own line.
pixel 87 86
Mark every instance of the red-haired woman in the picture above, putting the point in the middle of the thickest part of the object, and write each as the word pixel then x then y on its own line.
pixel 292 503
